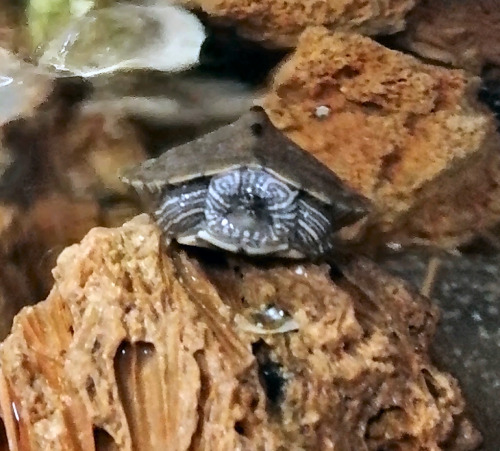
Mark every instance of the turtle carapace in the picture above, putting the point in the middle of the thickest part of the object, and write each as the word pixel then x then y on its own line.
pixel 246 188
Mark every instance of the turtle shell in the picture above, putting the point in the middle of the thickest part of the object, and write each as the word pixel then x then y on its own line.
pixel 251 142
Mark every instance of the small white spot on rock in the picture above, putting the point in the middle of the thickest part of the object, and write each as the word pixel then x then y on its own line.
pixel 392 245
pixel 322 112
pixel 476 316
pixel 483 333
pixel 493 310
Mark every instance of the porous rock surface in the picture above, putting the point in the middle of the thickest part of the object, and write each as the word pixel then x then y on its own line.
pixel 279 23
pixel 463 33
pixel 467 342
pixel 137 347
pixel 410 136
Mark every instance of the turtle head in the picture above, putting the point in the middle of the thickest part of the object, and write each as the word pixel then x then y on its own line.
pixel 247 210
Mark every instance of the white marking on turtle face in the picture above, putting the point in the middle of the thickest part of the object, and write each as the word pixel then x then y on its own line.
pixel 313 227
pixel 306 226
pixel 169 222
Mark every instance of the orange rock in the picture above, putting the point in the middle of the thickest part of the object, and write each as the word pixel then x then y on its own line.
pixel 140 348
pixel 400 131
pixel 279 23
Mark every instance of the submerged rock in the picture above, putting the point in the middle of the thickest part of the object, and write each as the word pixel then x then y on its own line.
pixel 462 33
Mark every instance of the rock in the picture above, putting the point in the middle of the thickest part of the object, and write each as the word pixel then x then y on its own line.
pixel 23 89
pixel 87 155
pixel 60 182
pixel 410 136
pixel 279 23
pixel 67 150
pixel 467 343
pixel 138 347
pixel 16 290
pixel 30 241
pixel 463 33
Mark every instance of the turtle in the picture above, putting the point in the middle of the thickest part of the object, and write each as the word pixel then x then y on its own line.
pixel 247 188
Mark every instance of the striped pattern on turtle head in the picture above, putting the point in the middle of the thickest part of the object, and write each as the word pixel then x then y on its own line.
pixel 247 188
pixel 244 210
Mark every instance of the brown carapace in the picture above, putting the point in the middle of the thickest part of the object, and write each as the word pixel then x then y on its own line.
pixel 246 188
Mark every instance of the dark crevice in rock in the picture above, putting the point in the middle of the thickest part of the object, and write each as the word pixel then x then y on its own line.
pixel 103 441
pixel 225 54
pixel 270 373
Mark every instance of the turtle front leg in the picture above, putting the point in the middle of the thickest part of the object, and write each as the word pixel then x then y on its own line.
pixel 181 211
